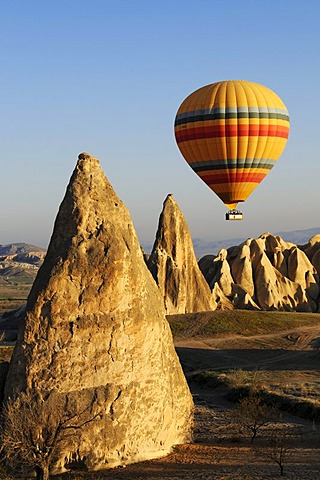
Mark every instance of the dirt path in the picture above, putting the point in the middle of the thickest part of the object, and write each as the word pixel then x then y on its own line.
pixel 306 337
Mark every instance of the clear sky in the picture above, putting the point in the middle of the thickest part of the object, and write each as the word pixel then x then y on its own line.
pixel 107 77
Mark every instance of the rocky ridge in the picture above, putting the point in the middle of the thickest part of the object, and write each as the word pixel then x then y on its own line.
pixel 95 333
pixel 267 273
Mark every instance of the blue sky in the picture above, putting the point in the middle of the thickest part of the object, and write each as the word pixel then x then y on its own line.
pixel 107 77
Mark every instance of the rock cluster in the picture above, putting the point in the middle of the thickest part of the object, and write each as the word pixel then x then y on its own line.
pixel 267 273
pixel 95 329
pixel 174 266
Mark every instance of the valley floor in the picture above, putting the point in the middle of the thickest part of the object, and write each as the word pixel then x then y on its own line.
pixel 218 454
pixel 287 360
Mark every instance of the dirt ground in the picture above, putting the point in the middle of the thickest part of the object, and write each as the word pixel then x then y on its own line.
pixel 225 459
pixel 218 451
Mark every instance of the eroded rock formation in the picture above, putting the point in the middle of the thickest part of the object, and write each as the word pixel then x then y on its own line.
pixel 174 266
pixel 267 273
pixel 312 250
pixel 95 330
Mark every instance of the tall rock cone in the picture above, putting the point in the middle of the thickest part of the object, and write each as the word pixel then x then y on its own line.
pixel 241 269
pixel 95 329
pixel 174 267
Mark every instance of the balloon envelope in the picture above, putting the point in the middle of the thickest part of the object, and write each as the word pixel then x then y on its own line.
pixel 231 133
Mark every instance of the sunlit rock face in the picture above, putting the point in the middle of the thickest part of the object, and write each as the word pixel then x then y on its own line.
pixel 312 250
pixel 95 329
pixel 216 270
pixel 268 273
pixel 174 266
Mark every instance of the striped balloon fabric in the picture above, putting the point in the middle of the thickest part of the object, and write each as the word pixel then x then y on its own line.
pixel 231 134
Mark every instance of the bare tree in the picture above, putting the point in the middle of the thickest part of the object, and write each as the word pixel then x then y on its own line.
pixel 34 429
pixel 251 414
pixel 278 449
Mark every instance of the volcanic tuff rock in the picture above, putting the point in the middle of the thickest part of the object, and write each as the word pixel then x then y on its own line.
pixel 174 266
pixel 216 270
pixel 312 250
pixel 268 273
pixel 95 329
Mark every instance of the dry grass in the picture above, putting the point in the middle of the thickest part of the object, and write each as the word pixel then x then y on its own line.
pixel 237 322
pixel 296 396
pixel 5 355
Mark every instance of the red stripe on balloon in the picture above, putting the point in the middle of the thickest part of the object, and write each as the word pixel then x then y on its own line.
pixel 212 131
pixel 233 178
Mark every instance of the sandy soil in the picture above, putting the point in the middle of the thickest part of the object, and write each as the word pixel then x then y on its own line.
pixel 218 451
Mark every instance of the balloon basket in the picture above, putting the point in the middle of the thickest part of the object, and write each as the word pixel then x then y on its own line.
pixel 234 215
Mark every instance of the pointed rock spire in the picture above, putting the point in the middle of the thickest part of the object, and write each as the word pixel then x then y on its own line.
pixel 95 327
pixel 241 269
pixel 216 270
pixel 174 267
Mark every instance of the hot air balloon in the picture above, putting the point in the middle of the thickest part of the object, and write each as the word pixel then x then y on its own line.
pixel 231 133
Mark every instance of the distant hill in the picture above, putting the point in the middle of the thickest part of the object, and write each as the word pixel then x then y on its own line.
pixel 299 237
pixel 19 264
pixel 204 247
pixel 17 248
